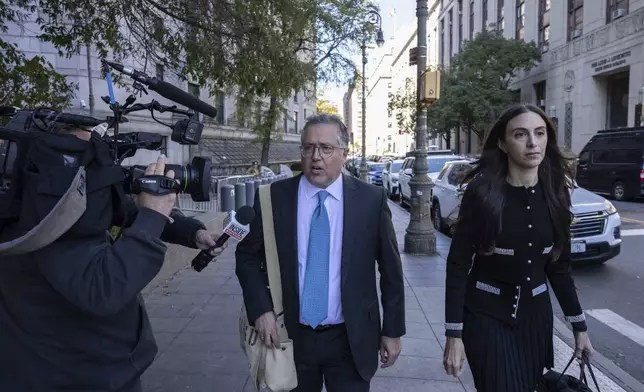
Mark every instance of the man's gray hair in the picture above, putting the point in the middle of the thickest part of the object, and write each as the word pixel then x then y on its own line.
pixel 332 119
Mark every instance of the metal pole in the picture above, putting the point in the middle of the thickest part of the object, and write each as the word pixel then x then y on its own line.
pixel 363 163
pixel 420 238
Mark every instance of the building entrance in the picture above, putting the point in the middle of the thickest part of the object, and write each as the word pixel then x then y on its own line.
pixel 617 93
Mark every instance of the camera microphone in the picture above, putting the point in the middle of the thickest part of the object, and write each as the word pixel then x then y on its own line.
pixel 167 90
pixel 236 226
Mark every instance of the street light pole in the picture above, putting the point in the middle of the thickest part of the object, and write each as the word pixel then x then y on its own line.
pixel 373 18
pixel 420 238
pixel 363 162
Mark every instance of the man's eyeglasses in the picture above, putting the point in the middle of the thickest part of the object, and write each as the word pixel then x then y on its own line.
pixel 308 150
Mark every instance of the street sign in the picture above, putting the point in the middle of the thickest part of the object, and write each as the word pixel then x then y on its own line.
pixel 413 56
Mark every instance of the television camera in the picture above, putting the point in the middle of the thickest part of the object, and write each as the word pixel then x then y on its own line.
pixel 39 159
pixel 193 178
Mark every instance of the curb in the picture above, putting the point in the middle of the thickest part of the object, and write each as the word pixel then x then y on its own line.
pixel 602 363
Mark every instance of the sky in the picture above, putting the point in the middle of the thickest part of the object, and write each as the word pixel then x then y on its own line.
pixel 395 13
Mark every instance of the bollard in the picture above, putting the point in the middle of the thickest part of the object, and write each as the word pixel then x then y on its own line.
pixel 258 183
pixel 227 194
pixel 240 195
pixel 264 181
pixel 250 193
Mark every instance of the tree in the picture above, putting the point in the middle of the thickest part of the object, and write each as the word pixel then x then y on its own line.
pixel 475 88
pixel 403 105
pixel 326 106
pixel 28 82
pixel 256 49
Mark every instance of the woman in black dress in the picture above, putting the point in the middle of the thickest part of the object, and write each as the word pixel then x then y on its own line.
pixel 512 236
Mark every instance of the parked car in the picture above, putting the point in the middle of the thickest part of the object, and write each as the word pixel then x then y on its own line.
pixel 612 163
pixel 390 177
pixel 374 173
pixel 435 162
pixel 595 228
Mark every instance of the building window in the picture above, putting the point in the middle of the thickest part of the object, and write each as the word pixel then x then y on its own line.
pixel 219 105
pixel 295 97
pixel 451 25
pixel 575 19
pixel 297 123
pixel 520 22
pixel 285 120
pixel 472 19
pixel 390 125
pixel 540 94
pixel 484 17
pixel 544 24
pixel 159 71
pixel 500 15
pixel 193 89
pixel 616 9
pixel 306 115
pixel 442 47
pixel 460 24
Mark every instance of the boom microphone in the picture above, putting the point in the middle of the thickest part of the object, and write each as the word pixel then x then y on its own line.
pixel 236 226
pixel 166 90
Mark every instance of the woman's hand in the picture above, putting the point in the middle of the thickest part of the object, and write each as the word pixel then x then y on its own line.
pixel 454 356
pixel 582 345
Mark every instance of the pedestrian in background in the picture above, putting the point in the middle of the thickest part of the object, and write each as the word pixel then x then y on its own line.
pixel 512 236
pixel 331 232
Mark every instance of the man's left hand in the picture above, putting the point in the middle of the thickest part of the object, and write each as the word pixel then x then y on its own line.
pixel 205 240
pixel 390 349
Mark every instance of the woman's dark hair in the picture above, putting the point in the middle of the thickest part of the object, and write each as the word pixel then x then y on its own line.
pixel 488 182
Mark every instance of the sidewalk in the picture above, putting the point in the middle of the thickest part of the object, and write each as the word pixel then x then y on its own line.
pixel 195 320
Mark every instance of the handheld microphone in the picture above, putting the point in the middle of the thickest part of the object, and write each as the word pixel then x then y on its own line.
pixel 167 90
pixel 236 226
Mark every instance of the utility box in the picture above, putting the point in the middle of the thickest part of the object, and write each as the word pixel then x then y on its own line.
pixel 432 87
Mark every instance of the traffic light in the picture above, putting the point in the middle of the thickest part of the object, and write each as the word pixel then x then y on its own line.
pixel 432 87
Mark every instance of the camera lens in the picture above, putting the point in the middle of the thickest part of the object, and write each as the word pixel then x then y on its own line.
pixel 194 178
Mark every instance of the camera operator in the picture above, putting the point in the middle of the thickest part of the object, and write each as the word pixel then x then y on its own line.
pixel 71 314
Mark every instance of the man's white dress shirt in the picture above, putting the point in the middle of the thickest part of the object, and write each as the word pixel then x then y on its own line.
pixel 307 201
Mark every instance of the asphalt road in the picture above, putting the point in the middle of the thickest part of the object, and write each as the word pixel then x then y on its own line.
pixel 612 296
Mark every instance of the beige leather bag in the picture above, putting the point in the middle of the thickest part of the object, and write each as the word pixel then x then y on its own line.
pixel 269 368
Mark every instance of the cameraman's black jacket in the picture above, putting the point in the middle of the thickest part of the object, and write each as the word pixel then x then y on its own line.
pixel 71 314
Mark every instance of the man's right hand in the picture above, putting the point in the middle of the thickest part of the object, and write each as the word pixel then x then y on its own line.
pixel 454 356
pixel 266 326
pixel 160 203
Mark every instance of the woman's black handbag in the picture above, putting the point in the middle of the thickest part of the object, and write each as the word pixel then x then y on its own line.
pixel 561 382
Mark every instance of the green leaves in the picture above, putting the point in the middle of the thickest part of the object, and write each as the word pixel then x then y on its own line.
pixel 475 89
pixel 403 105
pixel 27 83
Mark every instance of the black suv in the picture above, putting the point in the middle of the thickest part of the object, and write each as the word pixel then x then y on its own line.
pixel 612 163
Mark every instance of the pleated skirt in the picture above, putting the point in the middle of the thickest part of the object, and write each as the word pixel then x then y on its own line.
pixel 507 358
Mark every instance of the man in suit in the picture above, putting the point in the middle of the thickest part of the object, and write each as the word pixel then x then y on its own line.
pixel 330 231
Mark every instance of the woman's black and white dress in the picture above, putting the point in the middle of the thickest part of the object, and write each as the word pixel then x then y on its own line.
pixel 499 303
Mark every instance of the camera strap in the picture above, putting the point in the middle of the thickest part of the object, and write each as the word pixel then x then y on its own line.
pixel 156 184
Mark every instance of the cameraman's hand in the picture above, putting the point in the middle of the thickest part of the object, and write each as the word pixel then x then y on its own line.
pixel 161 204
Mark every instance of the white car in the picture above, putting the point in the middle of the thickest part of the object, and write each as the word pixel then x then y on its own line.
pixel 595 228
pixel 436 160
pixel 390 176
